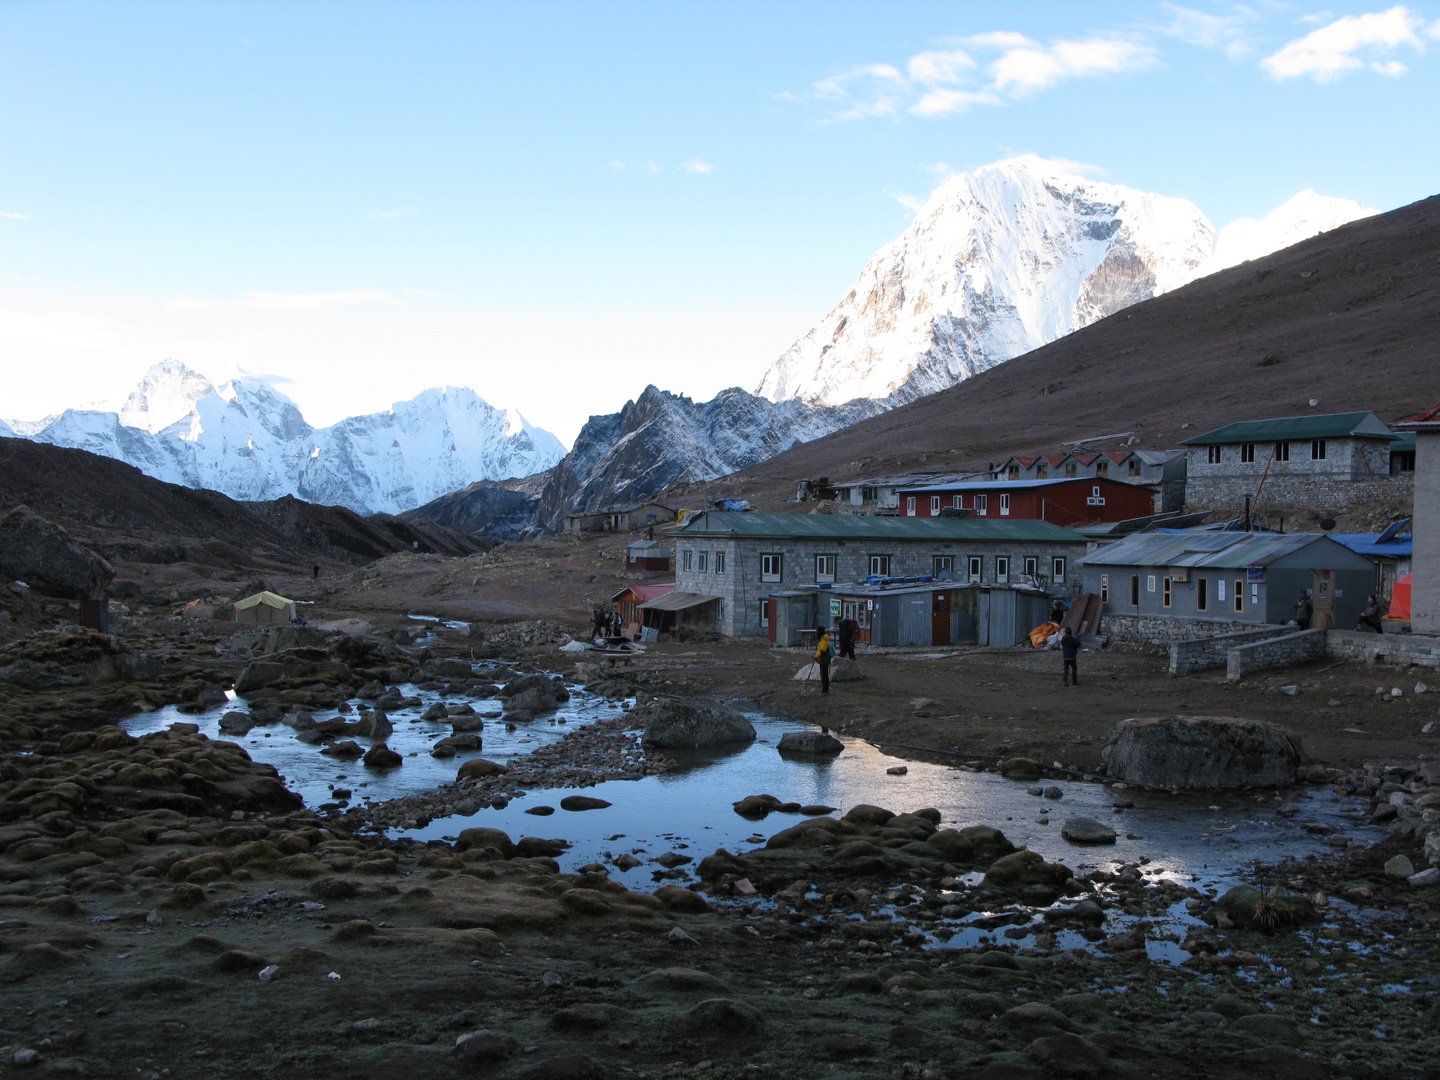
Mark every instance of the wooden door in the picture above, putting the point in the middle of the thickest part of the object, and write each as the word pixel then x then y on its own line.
pixel 940 618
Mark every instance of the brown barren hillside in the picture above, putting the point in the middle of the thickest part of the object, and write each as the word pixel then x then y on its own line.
pixel 1350 319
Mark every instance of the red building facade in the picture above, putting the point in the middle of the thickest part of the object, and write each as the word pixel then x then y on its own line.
pixel 1061 502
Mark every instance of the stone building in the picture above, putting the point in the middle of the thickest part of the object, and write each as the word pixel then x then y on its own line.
pixel 734 562
pixel 1425 561
pixel 1167 586
pixel 1325 462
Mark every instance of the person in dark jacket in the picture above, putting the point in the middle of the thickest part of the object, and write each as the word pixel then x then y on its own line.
pixel 1304 610
pixel 1069 651
pixel 1371 616
pixel 849 631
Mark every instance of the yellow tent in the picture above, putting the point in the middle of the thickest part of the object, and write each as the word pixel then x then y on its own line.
pixel 264 609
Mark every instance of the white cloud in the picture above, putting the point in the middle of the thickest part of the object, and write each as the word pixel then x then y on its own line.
pixel 696 167
pixel 968 73
pixel 311 301
pixel 1227 32
pixel 399 211
pixel 1351 43
pixel 14 215
pixel 618 166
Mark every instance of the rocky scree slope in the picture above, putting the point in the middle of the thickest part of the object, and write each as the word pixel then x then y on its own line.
pixel 115 509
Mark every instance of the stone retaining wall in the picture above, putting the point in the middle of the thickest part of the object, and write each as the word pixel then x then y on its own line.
pixel 1201 654
pixel 1167 629
pixel 1280 493
pixel 1400 650
pixel 1298 647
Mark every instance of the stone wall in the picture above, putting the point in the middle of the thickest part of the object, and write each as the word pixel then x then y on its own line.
pixel 1297 492
pixel 1400 650
pixel 1167 629
pixel 1203 653
pixel 1286 650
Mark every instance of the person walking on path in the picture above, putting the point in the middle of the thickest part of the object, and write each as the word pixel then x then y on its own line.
pixel 849 631
pixel 1069 651
pixel 1371 616
pixel 824 653
pixel 1304 609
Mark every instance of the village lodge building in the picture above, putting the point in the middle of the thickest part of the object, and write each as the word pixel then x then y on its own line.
pixel 729 564
pixel 1063 502
pixel 1325 462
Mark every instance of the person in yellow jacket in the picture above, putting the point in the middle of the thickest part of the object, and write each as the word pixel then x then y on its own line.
pixel 824 653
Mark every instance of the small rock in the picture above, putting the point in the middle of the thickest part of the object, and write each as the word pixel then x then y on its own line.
pixel 1290 691
pixel 583 802
pixel 154 918
pixel 1425 878
pixel 269 973
pixel 1399 866
pixel 368 1024
pixel 1396 692
pixel 1053 792
pixel 25 1058
pixel 1428 729
pixel 897 770
pixel 1288 809
pixel 627 862
pixel 546 811
pixel 677 936
pixel 464 1018
pixel 552 979
pixel 1421 688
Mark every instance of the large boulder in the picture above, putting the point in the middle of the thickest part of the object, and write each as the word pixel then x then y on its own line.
pixel 693 724
pixel 841 670
pixel 1202 752
pixel 42 555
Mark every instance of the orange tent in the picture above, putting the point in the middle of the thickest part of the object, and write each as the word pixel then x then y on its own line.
pixel 1400 599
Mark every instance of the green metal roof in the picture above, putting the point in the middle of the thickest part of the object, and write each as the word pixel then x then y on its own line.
pixel 1290 428
pixel 1403 442
pixel 865 527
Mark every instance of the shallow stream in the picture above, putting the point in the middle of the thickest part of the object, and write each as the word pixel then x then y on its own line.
pixel 1200 840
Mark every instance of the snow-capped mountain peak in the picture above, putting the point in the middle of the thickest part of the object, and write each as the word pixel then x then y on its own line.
pixel 250 441
pixel 1005 259
pixel 166 393
pixel 1298 218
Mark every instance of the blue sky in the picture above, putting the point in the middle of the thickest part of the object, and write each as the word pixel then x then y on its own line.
pixel 556 203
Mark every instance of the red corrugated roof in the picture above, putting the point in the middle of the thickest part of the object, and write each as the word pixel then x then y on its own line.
pixel 1084 459
pixel 1425 419
pixel 645 593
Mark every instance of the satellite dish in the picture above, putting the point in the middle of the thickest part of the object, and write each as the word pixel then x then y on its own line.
pixel 1328 524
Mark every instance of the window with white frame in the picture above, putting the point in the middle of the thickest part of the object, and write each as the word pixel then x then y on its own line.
pixel 942 562
pixel 687 560
pixel 910 506
pixel 1095 499
pixel 1212 455
pixel 1317 449
pixel 702 562
pixel 958 502
pixel 880 565
pixel 1282 451
pixel 764 614
pixel 1032 565
pixel 1247 453
pixel 1002 569
pixel 1057 569
pixel 719 562
pixel 976 565
pixel 1005 505
pixel 824 568
pixel 771 567
pixel 934 505
pixel 981 501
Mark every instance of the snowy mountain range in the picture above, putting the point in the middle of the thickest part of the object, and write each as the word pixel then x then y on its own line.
pixel 1008 258
pixel 246 439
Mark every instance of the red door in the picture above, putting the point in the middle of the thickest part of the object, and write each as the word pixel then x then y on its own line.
pixel 770 617
pixel 940 618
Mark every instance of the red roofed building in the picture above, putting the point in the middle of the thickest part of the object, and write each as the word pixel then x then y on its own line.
pixel 1061 502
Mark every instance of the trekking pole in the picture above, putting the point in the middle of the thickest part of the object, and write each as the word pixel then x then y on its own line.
pixel 806 684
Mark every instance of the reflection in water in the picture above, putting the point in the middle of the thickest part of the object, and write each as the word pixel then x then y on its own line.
pixel 1201 839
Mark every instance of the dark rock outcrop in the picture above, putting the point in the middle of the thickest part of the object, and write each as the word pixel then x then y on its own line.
pixel 41 554
pixel 694 724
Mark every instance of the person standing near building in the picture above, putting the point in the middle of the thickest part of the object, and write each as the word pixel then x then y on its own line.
pixel 849 631
pixel 824 653
pixel 1304 610
pixel 1069 653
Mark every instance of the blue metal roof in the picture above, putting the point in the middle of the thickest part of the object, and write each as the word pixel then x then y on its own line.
pixel 992 485
pixel 1367 544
